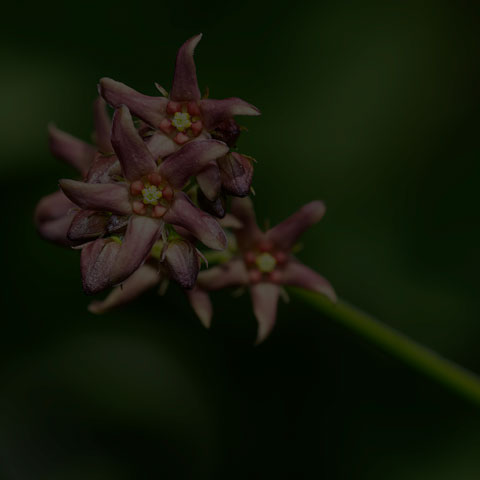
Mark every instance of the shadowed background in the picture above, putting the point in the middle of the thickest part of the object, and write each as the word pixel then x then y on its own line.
pixel 370 106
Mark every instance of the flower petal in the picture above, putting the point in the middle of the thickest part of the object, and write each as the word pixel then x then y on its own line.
pixel 296 274
pixel 74 151
pixel 103 169
pixel 230 274
pixel 215 207
pixel 130 148
pixel 87 225
pixel 203 226
pixel 189 160
pixel 249 234
pixel 209 181
pixel 160 145
pixel 236 173
pixel 215 112
pixel 181 261
pixel 201 304
pixel 265 301
pixel 103 126
pixel 108 197
pixel 285 234
pixel 185 85
pixel 143 279
pixel 149 109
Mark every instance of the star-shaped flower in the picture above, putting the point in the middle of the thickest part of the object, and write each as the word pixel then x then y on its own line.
pixel 264 263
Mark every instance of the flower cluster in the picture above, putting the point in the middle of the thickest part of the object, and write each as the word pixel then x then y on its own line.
pixel 154 187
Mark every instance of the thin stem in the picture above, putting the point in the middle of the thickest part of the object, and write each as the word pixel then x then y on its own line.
pixel 451 375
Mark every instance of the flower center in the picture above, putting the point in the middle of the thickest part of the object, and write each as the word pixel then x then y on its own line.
pixel 151 194
pixel 181 121
pixel 266 262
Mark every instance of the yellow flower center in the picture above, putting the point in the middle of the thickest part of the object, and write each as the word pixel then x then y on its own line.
pixel 151 195
pixel 181 121
pixel 266 263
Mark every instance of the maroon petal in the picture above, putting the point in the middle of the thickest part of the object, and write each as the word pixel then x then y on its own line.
pixel 189 160
pixel 249 234
pixel 103 126
pixel 201 304
pixel 87 225
pixel 182 263
pixel 265 301
pixel 104 169
pixel 215 207
pixel 230 274
pixel 236 173
pixel 130 148
pixel 285 234
pixel 143 279
pixel 161 146
pixel 53 216
pixel 296 274
pixel 75 152
pixel 215 112
pixel 203 226
pixel 209 181
pixel 108 197
pixel 185 85
pixel 141 234
pixel 149 109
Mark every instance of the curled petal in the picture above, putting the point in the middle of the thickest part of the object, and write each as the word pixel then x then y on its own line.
pixel 181 261
pixel 230 274
pixel 149 109
pixel 189 160
pixel 209 181
pixel 296 274
pixel 184 213
pixel 87 225
pixel 143 279
pixel 161 146
pixel 130 148
pixel 103 169
pixel 201 304
pixel 265 301
pixel 108 197
pixel 103 126
pixel 215 112
pixel 285 234
pixel 236 173
pixel 249 234
pixel 185 85
pixel 74 151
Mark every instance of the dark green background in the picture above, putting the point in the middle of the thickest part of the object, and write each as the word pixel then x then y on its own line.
pixel 370 106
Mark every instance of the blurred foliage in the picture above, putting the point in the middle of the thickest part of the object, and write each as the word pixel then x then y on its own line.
pixel 371 106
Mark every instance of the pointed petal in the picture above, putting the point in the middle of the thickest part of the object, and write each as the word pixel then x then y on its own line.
pixel 185 85
pixel 141 234
pixel 103 126
pixel 230 274
pixel 87 225
pixel 143 279
pixel 249 234
pixel 209 181
pixel 71 150
pixel 215 112
pixel 215 207
pixel 264 300
pixel 108 197
pixel 285 234
pixel 185 214
pixel 236 173
pixel 296 274
pixel 182 263
pixel 201 304
pixel 130 148
pixel 149 109
pixel 104 169
pixel 189 160
pixel 160 145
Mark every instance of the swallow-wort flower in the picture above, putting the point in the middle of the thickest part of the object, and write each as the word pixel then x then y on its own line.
pixel 147 203
pixel 264 263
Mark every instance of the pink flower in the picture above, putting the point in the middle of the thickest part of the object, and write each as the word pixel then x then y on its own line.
pixel 264 263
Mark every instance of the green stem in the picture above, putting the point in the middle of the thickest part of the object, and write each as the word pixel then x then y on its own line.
pixel 451 375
